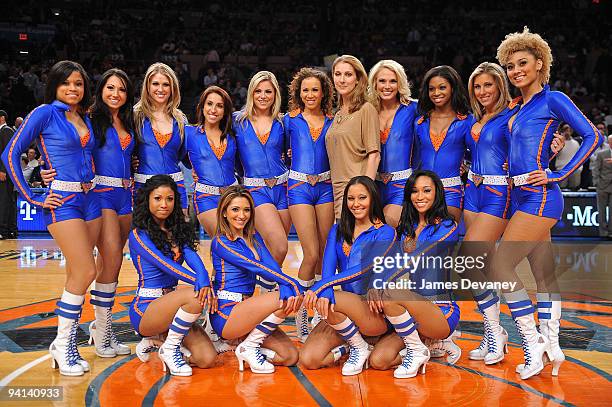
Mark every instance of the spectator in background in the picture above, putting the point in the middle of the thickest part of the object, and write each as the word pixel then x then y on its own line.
pixel 18 122
pixel 8 208
pixel 210 78
pixel 565 155
pixel 602 178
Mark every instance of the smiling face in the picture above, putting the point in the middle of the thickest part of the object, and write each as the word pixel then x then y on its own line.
pixel 263 96
pixel 213 110
pixel 358 200
pixel 486 90
pixel 114 93
pixel 238 213
pixel 71 91
pixel 161 203
pixel 423 194
pixel 523 68
pixel 311 93
pixel 345 78
pixel 440 91
pixel 386 84
pixel 160 89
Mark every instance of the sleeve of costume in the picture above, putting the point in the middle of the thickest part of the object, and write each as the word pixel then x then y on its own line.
pixel 564 109
pixel 330 262
pixel 383 245
pixel 141 245
pixel 370 129
pixel 194 261
pixel 266 268
pixel 445 236
pixel 31 128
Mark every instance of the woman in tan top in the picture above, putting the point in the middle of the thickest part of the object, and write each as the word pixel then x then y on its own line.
pixel 352 142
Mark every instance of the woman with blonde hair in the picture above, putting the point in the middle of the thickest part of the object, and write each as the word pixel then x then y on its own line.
pixel 536 198
pixel 352 142
pixel 309 190
pixel 160 127
pixel 260 139
pixel 389 92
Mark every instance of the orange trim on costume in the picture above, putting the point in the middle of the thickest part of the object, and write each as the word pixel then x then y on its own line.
pixel 203 195
pixel 222 286
pixel 543 204
pixel 67 198
pixel 507 203
pixel 587 155
pixel 156 257
pixel 421 120
pixel 542 142
pixel 218 150
pixel 141 283
pixel 295 112
pixel 263 139
pixel 12 167
pixel 529 189
pixel 315 132
pixel 451 309
pixel 84 139
pixel 346 248
pixel 488 188
pixel 451 189
pixel 103 189
pixel 437 139
pixel 262 266
pixel 476 136
pixel 162 139
pixel 53 219
pixel 125 140
pixel 384 135
pixel 515 102
pixel 295 185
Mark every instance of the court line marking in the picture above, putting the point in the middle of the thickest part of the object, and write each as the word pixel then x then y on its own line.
pixel 309 387
pixel 92 396
pixel 149 399
pixel 18 372
pixel 511 383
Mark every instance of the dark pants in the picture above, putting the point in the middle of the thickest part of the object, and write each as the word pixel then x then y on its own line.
pixel 8 208
pixel 604 201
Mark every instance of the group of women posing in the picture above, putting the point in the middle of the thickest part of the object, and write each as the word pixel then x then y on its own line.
pixel 386 168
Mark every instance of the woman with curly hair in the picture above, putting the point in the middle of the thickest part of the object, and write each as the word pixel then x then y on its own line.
pixel 536 198
pixel 309 190
pixel 159 243
pixel 352 142
pixel 389 92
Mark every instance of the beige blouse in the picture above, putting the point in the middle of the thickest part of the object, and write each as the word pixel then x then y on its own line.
pixel 349 140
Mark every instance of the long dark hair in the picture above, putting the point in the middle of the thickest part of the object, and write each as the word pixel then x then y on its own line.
pixel 225 125
pixel 346 227
pixel 438 211
pixel 101 118
pixel 58 74
pixel 181 232
pixel 459 99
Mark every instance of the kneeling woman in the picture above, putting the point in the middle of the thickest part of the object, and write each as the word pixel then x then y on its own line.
pixel 426 229
pixel 159 243
pixel 351 246
pixel 239 255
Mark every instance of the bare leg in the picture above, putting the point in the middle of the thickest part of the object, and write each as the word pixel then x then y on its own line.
pixel 272 227
pixel 208 220
pixel 386 352
pixel 317 350
pixel 305 221
pixel 455 213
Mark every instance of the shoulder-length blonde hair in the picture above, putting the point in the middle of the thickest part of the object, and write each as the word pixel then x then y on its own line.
pixel 248 111
pixel 501 81
pixel 357 97
pixel 403 88
pixel 223 226
pixel 530 42
pixel 144 108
